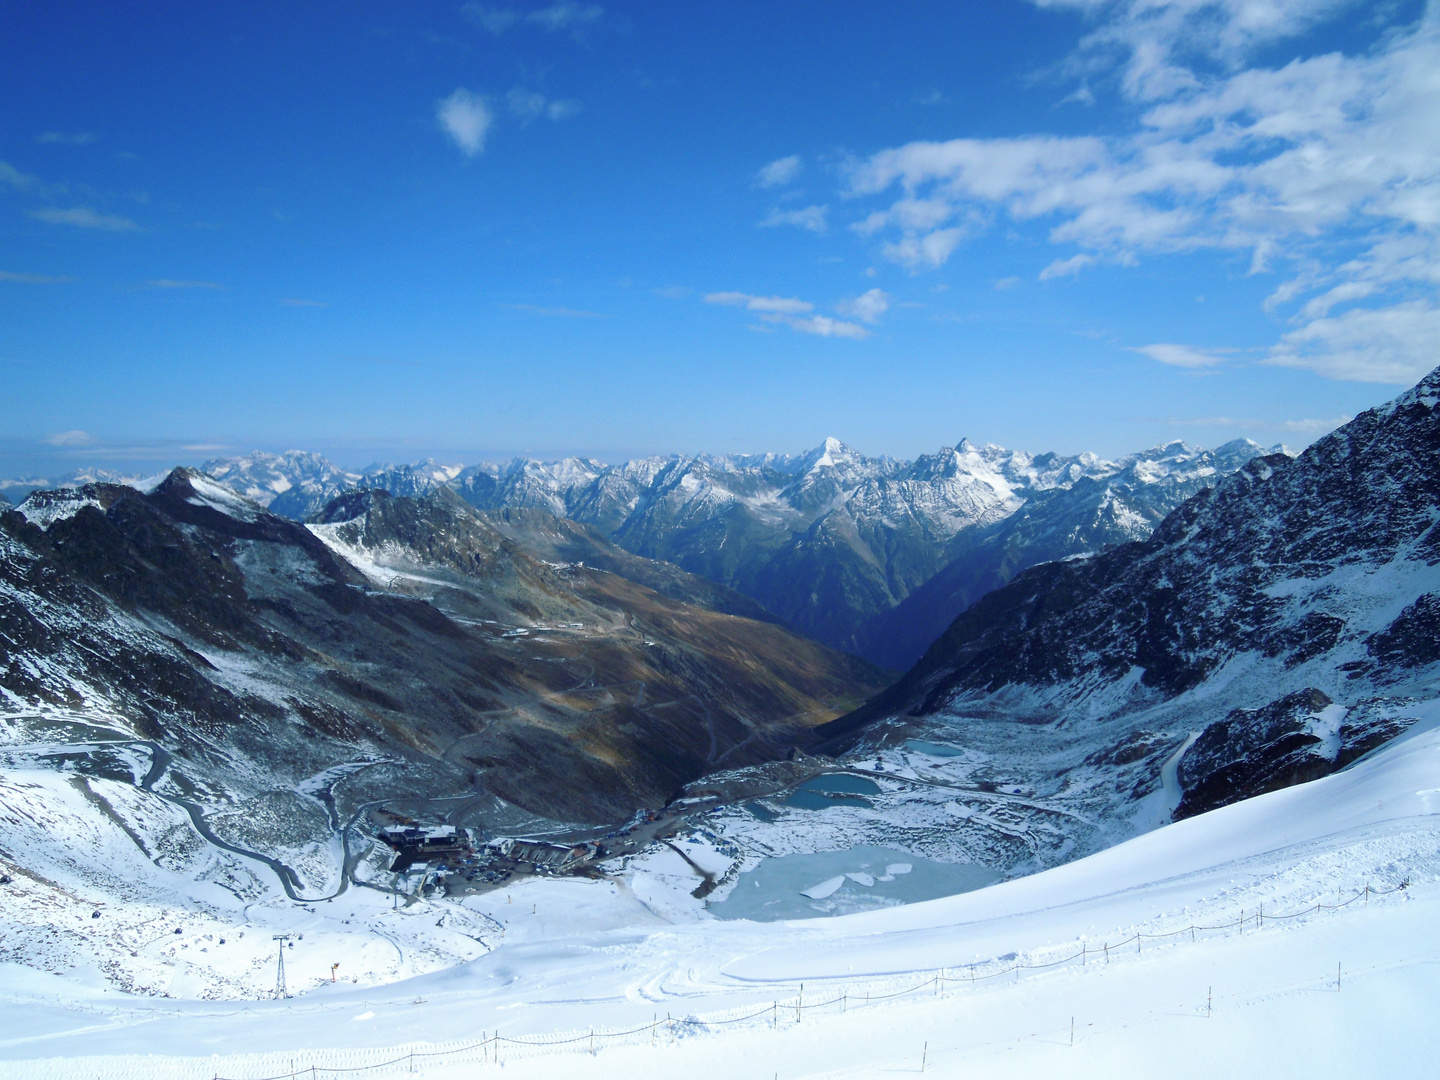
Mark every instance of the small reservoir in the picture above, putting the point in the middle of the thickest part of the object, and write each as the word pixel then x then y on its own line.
pixel 933 749
pixel 832 789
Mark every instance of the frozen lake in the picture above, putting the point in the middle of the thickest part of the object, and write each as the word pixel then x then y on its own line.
pixel 840 882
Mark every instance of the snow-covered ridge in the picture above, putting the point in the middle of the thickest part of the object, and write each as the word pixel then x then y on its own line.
pixel 207 492
pixel 44 508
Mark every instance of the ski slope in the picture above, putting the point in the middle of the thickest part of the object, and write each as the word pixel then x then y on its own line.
pixel 1275 1007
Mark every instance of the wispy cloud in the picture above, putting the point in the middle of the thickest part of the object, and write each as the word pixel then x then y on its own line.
pixel 173 283
pixel 70 438
pixel 466 118
pixel 564 17
pixel 789 311
pixel 1067 267
pixel 79 138
pixel 770 305
pixel 490 19
pixel 924 252
pixel 779 172
pixel 1182 356
pixel 824 326
pixel 1383 345
pixel 810 217
pixel 84 217
pixel 867 307
pixel 1309 426
pixel 1314 426
pixel 673 292
pixel 35 279
pixel 12 177
pixel 528 105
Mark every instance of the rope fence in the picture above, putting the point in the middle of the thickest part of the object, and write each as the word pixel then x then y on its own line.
pixel 495 1048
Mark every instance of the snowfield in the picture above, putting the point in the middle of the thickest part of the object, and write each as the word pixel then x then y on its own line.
pixel 1345 989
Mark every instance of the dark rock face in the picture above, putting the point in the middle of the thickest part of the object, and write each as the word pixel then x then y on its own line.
pixel 1253 751
pixel 250 644
pixel 1371 724
pixel 1283 579
pixel 1291 740
pixel 1413 639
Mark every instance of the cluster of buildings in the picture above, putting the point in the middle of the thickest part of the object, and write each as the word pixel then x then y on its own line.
pixel 449 858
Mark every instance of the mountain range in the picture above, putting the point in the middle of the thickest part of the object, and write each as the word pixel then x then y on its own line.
pixel 871 556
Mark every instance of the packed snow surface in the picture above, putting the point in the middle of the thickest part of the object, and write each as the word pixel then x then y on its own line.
pixel 1340 990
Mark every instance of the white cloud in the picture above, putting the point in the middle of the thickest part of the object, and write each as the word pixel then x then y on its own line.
pixel 779 172
pixel 1319 307
pixel 867 307
pixel 1396 344
pixel 767 304
pixel 810 217
pixel 791 312
pixel 924 252
pixel 70 438
pixel 85 218
pixel 1007 283
pixel 914 215
pixel 1325 170
pixel 1180 356
pixel 825 326
pixel 1153 40
pixel 467 119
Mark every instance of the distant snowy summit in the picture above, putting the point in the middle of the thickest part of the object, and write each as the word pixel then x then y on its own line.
pixel 831 541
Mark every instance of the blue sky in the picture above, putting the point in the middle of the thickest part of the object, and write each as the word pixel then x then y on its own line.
pixel 386 230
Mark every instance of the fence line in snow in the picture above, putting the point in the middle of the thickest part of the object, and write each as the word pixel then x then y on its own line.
pixel 494 1048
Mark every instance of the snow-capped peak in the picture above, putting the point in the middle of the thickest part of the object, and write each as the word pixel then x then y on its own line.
pixel 830 454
